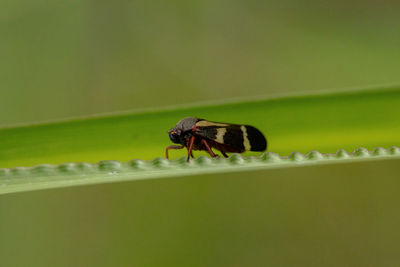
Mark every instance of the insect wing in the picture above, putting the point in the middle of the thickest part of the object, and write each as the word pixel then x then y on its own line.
pixel 254 140
pixel 229 135
pixel 238 137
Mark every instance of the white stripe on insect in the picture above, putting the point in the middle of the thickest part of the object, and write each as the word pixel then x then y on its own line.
pixel 210 123
pixel 219 137
pixel 246 142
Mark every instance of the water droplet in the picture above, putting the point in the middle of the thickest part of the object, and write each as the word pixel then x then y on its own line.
pixel 20 171
pixel 314 155
pixel 203 160
pixel 236 159
pixel 160 163
pixel 109 165
pixel 67 168
pixel 43 169
pixel 270 157
pixel 137 164
pixel 379 151
pixel 296 156
pixel 85 167
pixel 361 152
pixel 342 154
pixel 394 150
pixel 182 161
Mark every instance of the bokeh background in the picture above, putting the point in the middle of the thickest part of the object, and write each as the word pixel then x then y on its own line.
pixel 72 58
pixel 69 58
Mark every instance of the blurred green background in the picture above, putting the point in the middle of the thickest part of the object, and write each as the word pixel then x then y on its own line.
pixel 62 59
pixel 70 58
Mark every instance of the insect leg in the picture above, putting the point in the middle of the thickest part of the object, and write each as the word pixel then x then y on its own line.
pixel 172 147
pixel 224 154
pixel 190 147
pixel 208 148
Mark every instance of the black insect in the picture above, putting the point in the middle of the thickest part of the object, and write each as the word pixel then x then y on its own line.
pixel 198 134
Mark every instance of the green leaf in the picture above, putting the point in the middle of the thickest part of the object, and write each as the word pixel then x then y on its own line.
pixel 321 122
pixel 327 123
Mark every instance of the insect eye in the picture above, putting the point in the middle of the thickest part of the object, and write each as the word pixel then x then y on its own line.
pixel 174 136
pixel 178 132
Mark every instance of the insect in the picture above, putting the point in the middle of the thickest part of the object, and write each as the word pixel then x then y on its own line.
pixel 199 134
